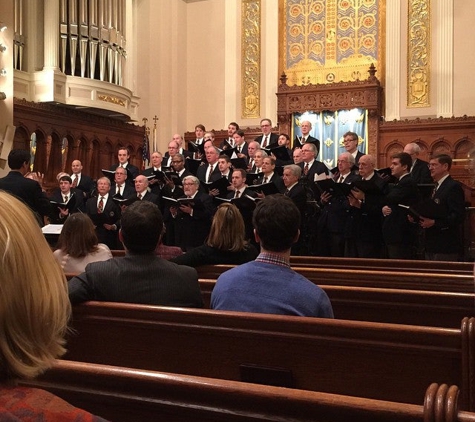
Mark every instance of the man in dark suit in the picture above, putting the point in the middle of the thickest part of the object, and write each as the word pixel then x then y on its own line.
pixel 399 233
pixel 267 138
pixel 241 144
pixel 310 166
pixel 443 227
pixel 140 276
pixel 296 192
pixel 246 205
pixel 104 213
pixel 420 169
pixel 233 127
pixel 176 148
pixel 27 190
pixel 364 234
pixel 192 221
pixel 350 142
pixel 123 156
pixel 141 189
pixel 209 172
pixel 66 194
pixel 269 175
pixel 305 128
pixel 332 223
pixel 81 181
pixel 120 187
pixel 156 161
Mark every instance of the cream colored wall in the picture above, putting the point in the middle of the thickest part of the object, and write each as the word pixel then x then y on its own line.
pixel 464 59
pixel 194 74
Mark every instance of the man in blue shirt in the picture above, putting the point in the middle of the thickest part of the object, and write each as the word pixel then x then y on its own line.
pixel 268 284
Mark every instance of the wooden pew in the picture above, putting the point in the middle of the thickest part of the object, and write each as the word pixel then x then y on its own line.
pixel 461 283
pixel 373 264
pixel 122 394
pixel 396 306
pixel 340 357
pixel 383 264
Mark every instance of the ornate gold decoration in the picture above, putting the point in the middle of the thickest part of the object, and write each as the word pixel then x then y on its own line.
pixel 327 41
pixel 328 142
pixel 113 100
pixel 250 58
pixel 418 54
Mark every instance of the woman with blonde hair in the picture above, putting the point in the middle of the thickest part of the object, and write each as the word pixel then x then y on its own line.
pixel 78 245
pixel 225 244
pixel 34 312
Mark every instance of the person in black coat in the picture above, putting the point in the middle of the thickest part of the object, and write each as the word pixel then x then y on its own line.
pixel 192 221
pixel 364 233
pixel 296 192
pixel 66 194
pixel 80 180
pixel 299 141
pixel 420 169
pixel 105 214
pixel 399 233
pixel 132 171
pixel 310 166
pixel 27 190
pixel 267 138
pixel 443 227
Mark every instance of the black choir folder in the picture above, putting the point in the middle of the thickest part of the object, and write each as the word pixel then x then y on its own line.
pixel 266 188
pixel 178 202
pixel 333 188
pixel 427 208
pixel 120 200
pixel 220 184
pixel 65 205
pixel 110 174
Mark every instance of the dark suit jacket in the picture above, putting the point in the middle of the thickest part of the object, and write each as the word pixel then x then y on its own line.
pixel 244 149
pixel 273 139
pixel 335 212
pixel 86 185
pixel 359 154
pixel 127 192
pixel 28 191
pixel 299 196
pixel 77 206
pixel 185 153
pixel 151 197
pixel 365 222
pixel 155 188
pixel 420 172
pixel 444 236
pixel 317 168
pixel 276 179
pixel 137 278
pixel 309 140
pixel 191 231
pixel 246 208
pixel 396 227
pixel 110 215
pixel 202 170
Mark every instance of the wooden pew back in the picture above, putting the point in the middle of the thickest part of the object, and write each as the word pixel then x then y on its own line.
pixel 340 357
pixel 122 394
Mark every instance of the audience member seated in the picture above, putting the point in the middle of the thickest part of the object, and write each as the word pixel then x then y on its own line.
pixel 140 276
pixel 225 244
pixel 34 312
pixel 268 284
pixel 78 245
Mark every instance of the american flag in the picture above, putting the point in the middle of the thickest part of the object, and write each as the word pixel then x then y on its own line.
pixel 145 149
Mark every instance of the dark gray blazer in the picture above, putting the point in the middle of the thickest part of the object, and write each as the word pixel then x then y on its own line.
pixel 137 278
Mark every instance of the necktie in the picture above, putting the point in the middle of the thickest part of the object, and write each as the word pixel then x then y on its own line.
pixel 75 182
pixel 264 142
pixel 139 196
pixel 340 180
pixel 435 189
pixel 236 195
pixel 211 168
pixel 265 179
pixel 239 149
pixel 65 198
pixel 305 169
pixel 287 191
pixel 100 206
pixel 118 189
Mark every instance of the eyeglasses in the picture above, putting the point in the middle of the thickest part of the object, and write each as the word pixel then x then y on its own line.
pixel 342 161
pixel 188 184
pixel 175 162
